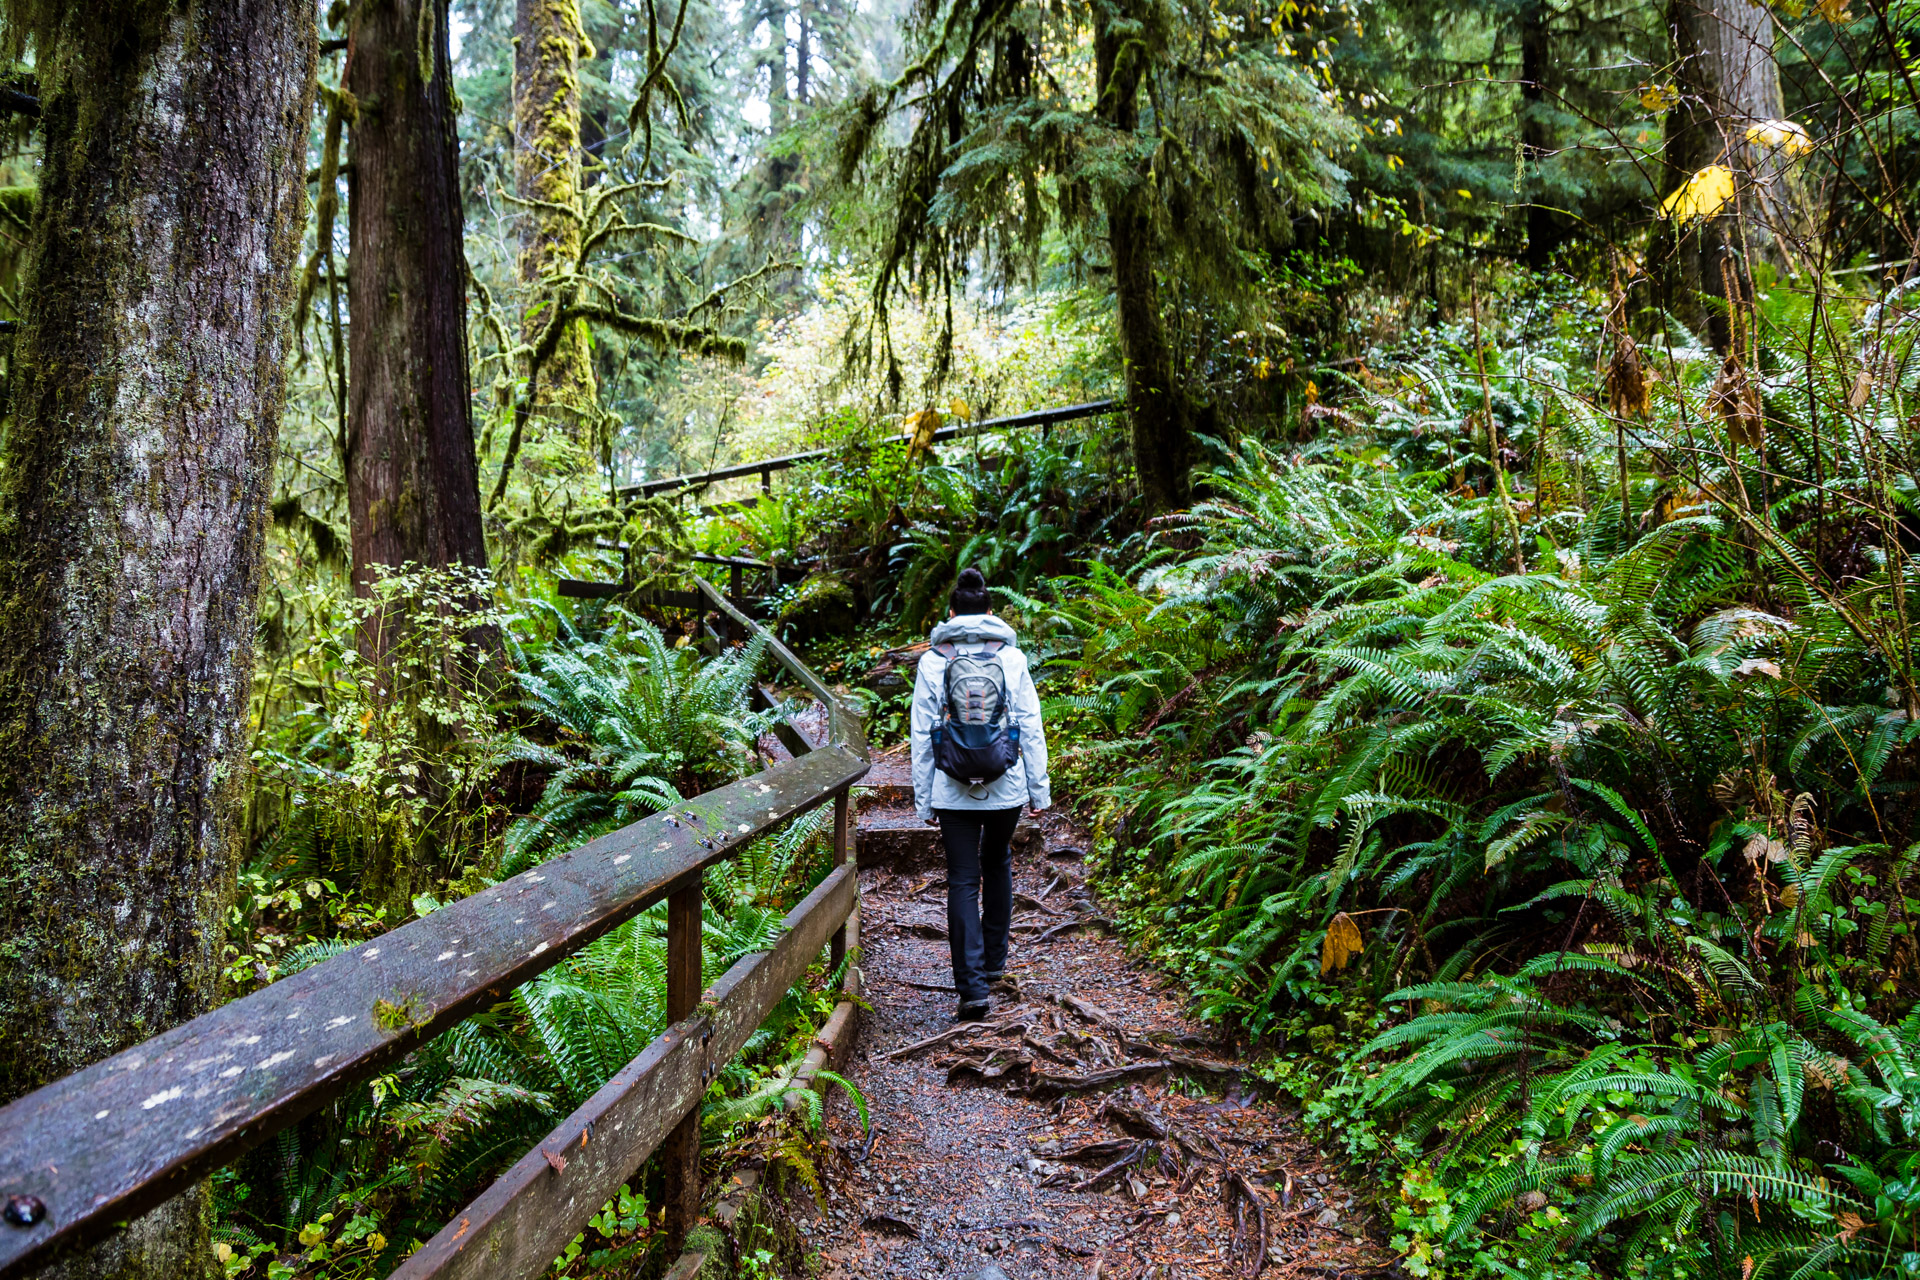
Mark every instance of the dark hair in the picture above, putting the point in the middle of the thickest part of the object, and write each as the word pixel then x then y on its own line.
pixel 970 592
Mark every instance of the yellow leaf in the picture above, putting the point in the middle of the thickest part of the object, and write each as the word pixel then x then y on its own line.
pixel 1658 97
pixel 959 408
pixel 1464 194
pixel 1701 196
pixel 222 1251
pixel 1343 943
pixel 923 425
pixel 1833 10
pixel 1780 135
pixel 377 1242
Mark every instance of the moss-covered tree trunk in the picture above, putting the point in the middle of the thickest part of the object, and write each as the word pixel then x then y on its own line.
pixel 413 486
pixel 133 491
pixel 548 46
pixel 1160 417
pixel 1727 81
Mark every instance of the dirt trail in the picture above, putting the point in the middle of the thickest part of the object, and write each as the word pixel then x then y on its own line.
pixel 1047 1142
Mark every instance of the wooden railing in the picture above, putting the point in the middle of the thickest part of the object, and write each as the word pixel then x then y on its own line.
pixel 767 466
pixel 118 1138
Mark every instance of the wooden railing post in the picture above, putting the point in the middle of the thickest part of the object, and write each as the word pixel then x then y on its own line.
pixel 680 1154
pixel 843 853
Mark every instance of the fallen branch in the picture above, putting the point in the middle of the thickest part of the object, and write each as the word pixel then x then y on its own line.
pixel 944 1037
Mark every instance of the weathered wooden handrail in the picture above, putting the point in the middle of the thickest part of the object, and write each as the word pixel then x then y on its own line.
pixel 115 1139
pixel 767 466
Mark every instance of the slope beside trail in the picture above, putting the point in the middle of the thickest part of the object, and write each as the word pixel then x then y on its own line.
pixel 1086 1129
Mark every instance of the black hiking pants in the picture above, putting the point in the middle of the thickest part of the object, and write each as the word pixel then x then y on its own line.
pixel 979 874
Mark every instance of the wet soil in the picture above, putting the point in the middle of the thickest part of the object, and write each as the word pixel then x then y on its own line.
pixel 1088 1130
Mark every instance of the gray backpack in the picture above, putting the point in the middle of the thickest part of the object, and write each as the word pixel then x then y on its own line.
pixel 976 740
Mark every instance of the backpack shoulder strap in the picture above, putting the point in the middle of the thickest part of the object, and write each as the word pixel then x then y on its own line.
pixel 945 650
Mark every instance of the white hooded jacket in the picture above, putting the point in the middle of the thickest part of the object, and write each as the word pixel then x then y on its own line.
pixel 1026 782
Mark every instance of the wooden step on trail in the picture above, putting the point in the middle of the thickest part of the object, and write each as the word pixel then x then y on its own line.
pixel 892 836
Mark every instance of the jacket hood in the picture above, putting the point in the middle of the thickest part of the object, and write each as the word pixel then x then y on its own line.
pixel 973 628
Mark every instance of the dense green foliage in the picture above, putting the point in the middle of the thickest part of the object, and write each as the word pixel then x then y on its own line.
pixel 620 724
pixel 1613 851
pixel 1511 742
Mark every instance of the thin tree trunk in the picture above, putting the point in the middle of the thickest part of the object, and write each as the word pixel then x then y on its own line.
pixel 779 105
pixel 1544 233
pixel 147 397
pixel 548 46
pixel 413 489
pixel 1161 420
pixel 1727 81
pixel 802 61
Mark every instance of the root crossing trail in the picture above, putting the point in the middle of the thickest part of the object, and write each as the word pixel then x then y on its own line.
pixel 1086 1129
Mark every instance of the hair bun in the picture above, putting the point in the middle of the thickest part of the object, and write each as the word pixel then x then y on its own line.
pixel 971 579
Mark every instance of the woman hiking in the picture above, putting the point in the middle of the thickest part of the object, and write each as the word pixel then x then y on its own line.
pixel 979 754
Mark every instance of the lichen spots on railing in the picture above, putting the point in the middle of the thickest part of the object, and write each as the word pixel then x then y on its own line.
pixel 112 1141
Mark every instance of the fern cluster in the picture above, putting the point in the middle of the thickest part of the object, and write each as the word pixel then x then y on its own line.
pixel 1625 832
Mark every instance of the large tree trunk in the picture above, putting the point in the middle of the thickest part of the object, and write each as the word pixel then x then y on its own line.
pixel 1160 418
pixel 548 46
pixel 148 389
pixel 413 488
pixel 1727 81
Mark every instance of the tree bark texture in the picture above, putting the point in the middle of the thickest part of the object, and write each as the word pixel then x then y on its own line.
pixel 1160 419
pixel 548 46
pixel 1728 80
pixel 413 486
pixel 1544 232
pixel 133 504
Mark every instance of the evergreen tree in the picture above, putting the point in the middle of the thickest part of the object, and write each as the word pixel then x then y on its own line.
pixel 412 480
pixel 548 46
pixel 1177 164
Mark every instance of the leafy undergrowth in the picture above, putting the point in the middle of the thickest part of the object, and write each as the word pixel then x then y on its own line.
pixel 597 727
pixel 1536 785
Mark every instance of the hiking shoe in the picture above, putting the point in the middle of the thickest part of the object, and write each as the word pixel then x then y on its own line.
pixel 973 1010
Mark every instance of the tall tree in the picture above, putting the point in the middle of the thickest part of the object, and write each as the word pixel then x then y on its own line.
pixel 413 488
pixel 133 485
pixel 1160 416
pixel 1727 81
pixel 1197 147
pixel 548 46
